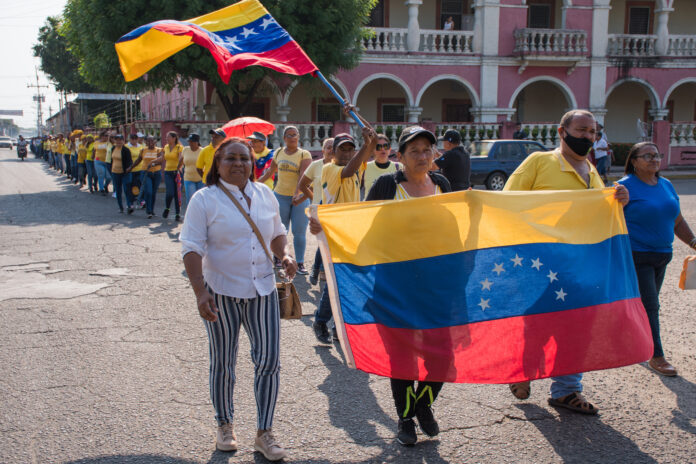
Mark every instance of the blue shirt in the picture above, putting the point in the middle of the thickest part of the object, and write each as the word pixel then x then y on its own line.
pixel 651 214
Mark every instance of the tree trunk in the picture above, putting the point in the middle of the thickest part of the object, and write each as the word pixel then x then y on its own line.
pixel 234 107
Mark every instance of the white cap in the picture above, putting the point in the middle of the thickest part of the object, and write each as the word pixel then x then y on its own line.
pixel 140 135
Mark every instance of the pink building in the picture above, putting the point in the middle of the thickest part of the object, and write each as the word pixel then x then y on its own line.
pixel 630 62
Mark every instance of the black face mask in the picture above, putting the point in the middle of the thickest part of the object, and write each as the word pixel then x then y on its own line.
pixel 579 145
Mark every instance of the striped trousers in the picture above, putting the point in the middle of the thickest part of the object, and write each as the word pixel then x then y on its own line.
pixel 260 318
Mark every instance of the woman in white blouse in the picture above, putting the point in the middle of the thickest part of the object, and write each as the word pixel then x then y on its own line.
pixel 234 282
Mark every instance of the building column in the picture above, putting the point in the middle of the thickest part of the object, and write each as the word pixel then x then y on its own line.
pixel 662 45
pixel 599 114
pixel 210 112
pixel 486 32
pixel 659 114
pixel 598 61
pixel 413 113
pixel 413 39
pixel 282 112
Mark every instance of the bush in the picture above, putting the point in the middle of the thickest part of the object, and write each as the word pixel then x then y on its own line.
pixel 620 152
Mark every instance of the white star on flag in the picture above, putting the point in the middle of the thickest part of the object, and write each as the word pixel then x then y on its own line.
pixel 484 304
pixel 498 268
pixel 517 260
pixel 267 22
pixel 486 284
pixel 536 264
pixel 560 295
pixel 552 276
pixel 232 42
pixel 247 32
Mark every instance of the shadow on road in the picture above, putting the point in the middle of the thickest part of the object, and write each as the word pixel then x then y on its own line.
pixel 134 458
pixel 581 439
pixel 684 415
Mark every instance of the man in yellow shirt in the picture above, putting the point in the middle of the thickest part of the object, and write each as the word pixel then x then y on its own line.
pixel 566 168
pixel 340 181
pixel 205 158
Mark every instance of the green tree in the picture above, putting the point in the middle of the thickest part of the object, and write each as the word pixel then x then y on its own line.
pixel 328 30
pixel 57 62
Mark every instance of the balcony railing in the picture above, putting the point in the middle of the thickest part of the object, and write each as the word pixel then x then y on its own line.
pixel 470 132
pixel 544 133
pixel 683 134
pixel 682 45
pixel 388 39
pixel 550 42
pixel 312 134
pixel 631 45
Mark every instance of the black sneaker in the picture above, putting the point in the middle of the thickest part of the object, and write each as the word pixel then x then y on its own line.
pixel 130 210
pixel 165 213
pixel 322 332
pixel 301 269
pixel 334 333
pixel 427 421
pixel 407 432
pixel 177 218
pixel 314 277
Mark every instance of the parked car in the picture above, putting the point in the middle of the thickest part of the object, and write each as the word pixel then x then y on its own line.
pixel 492 161
pixel 5 142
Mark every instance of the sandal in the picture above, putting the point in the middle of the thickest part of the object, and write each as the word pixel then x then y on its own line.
pixel 521 390
pixel 575 402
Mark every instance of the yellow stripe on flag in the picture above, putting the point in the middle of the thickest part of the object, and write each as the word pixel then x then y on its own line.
pixel 139 55
pixel 373 232
pixel 230 17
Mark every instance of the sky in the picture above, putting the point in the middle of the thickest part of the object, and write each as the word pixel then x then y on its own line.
pixel 19 27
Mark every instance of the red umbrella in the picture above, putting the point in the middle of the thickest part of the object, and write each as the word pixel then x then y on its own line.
pixel 244 127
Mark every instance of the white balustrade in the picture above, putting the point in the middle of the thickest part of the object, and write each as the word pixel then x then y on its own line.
pixel 149 128
pixel 683 134
pixel 391 129
pixel 559 42
pixel 544 133
pixel 629 45
pixel 682 45
pixel 386 39
pixel 470 132
pixel 312 134
pixel 438 41
pixel 202 129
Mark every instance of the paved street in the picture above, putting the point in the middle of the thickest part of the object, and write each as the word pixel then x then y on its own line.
pixel 104 359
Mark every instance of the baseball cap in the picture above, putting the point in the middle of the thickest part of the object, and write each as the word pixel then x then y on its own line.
pixel 218 132
pixel 193 137
pixel 257 136
pixel 140 135
pixel 452 136
pixel 340 139
pixel 411 132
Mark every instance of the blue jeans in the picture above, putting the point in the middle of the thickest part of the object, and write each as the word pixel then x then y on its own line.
pixel 172 191
pixel 91 175
pixel 565 385
pixel 81 173
pixel 73 169
pixel 67 164
pixel 295 215
pixel 151 184
pixel 122 183
pixel 102 173
pixel 650 268
pixel 191 187
pixel 323 312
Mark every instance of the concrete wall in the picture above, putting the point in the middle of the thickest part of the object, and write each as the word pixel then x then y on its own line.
pixel 540 102
pixel 617 16
pixel 681 20
pixel 431 101
pixel 684 98
pixel 380 88
pixel 302 99
pixel 398 14
pixel 624 106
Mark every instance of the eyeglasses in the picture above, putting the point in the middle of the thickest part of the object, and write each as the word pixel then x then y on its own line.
pixel 291 135
pixel 651 156
pixel 382 146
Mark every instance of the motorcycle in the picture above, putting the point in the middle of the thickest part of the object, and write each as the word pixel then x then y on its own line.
pixel 22 152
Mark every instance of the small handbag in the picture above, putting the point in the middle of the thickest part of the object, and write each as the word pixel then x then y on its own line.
pixel 687 280
pixel 288 298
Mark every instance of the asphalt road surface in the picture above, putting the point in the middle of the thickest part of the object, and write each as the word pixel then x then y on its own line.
pixel 103 359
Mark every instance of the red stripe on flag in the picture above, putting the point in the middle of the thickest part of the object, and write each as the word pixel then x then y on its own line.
pixel 508 350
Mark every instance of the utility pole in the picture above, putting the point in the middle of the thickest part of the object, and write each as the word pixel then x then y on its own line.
pixel 38 98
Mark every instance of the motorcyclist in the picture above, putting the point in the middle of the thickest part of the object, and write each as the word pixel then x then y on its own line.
pixel 22 148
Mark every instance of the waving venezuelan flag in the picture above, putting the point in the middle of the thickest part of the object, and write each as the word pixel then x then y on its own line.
pixel 240 35
pixel 484 287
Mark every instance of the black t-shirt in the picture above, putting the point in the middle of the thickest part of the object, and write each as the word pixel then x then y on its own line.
pixel 456 167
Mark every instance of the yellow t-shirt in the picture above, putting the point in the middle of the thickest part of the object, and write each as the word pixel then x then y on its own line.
pixel 90 152
pixel 100 149
pixel 149 156
pixel 54 146
pixel 171 157
pixel 337 189
pixel 289 170
pixel 205 160
pixel 116 161
pixel 549 170
pixel 373 172
pixel 81 152
pixel 135 152
pixel 190 159
pixel 313 173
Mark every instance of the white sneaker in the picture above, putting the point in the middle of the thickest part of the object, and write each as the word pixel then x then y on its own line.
pixel 266 444
pixel 226 439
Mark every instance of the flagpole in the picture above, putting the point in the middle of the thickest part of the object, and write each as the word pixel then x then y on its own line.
pixel 339 97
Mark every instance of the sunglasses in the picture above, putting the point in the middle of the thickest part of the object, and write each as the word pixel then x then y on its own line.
pixel 382 146
pixel 651 156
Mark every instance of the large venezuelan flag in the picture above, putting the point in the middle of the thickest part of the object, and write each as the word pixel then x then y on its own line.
pixel 240 35
pixel 484 287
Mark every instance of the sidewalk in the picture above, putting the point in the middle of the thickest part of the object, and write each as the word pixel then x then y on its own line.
pixel 671 173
